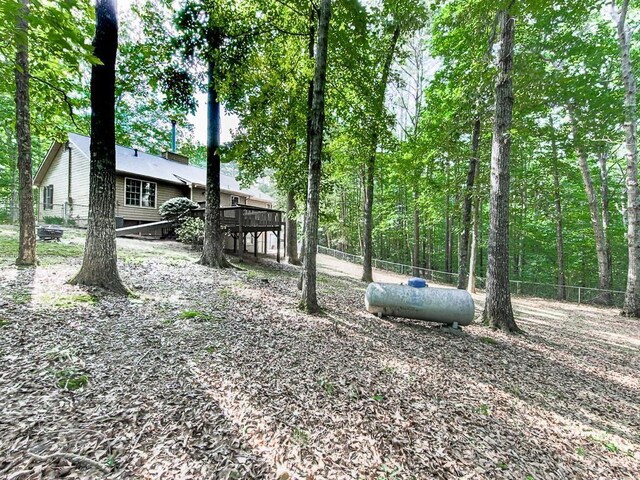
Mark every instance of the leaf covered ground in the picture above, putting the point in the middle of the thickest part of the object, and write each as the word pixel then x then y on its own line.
pixel 216 374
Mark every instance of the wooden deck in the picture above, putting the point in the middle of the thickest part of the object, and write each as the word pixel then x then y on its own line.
pixel 242 220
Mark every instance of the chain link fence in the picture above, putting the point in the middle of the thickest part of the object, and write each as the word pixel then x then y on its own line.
pixel 570 293
pixel 69 214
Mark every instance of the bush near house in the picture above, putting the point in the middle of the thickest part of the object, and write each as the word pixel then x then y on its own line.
pixel 177 208
pixel 191 231
pixel 58 221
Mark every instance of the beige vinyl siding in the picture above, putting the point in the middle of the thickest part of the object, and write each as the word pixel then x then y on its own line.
pixel 254 202
pixel 80 176
pixel 57 176
pixel 197 195
pixel 164 192
pixel 225 199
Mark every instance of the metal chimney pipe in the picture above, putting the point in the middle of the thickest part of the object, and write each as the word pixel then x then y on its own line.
pixel 173 136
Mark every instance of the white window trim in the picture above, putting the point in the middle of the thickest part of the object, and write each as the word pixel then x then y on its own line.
pixel 155 200
pixel 46 205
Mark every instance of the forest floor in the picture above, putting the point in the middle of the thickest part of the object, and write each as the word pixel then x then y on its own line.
pixel 209 374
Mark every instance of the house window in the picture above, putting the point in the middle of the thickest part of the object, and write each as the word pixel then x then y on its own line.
pixel 234 200
pixel 47 197
pixel 139 193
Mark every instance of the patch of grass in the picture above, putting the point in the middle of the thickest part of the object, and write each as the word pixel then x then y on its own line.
pixel 111 462
pixel 224 293
pixel 252 274
pixel 378 397
pixel 502 466
pixel 581 451
pixel 4 323
pixel 327 386
pixel 488 340
pixel 483 409
pixel 50 249
pixel 68 301
pixel 196 315
pixel 21 298
pixel 299 436
pixel 210 349
pixel 609 445
pixel 71 379
pixel 132 260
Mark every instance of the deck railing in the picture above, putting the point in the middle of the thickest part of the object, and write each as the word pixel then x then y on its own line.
pixel 247 218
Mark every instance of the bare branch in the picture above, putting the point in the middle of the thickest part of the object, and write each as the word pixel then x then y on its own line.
pixel 65 97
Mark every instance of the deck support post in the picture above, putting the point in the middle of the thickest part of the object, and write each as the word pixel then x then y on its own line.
pixel 266 234
pixel 255 244
pixel 240 233
pixel 285 237
pixel 278 247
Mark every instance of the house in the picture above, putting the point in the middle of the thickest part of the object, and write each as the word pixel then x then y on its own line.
pixel 143 182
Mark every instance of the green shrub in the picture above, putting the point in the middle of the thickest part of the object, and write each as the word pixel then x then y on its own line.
pixel 5 217
pixel 58 221
pixel 71 379
pixel 177 208
pixel 53 220
pixel 191 231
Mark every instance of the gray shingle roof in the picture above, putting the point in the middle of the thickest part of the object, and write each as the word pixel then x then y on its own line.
pixel 153 166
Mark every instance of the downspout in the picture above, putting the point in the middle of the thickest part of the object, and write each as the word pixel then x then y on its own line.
pixel 68 207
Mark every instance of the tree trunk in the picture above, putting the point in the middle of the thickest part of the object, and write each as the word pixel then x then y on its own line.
pixel 309 301
pixel 292 229
pixel 562 290
pixel 99 265
pixel 632 295
pixel 311 54
pixel 498 312
pixel 604 266
pixel 213 245
pixel 447 234
pixel 463 252
pixel 606 217
pixel 27 241
pixel 415 257
pixel 367 272
pixel 473 254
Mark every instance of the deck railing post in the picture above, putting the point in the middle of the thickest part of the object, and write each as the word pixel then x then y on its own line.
pixel 579 295
pixel 240 232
